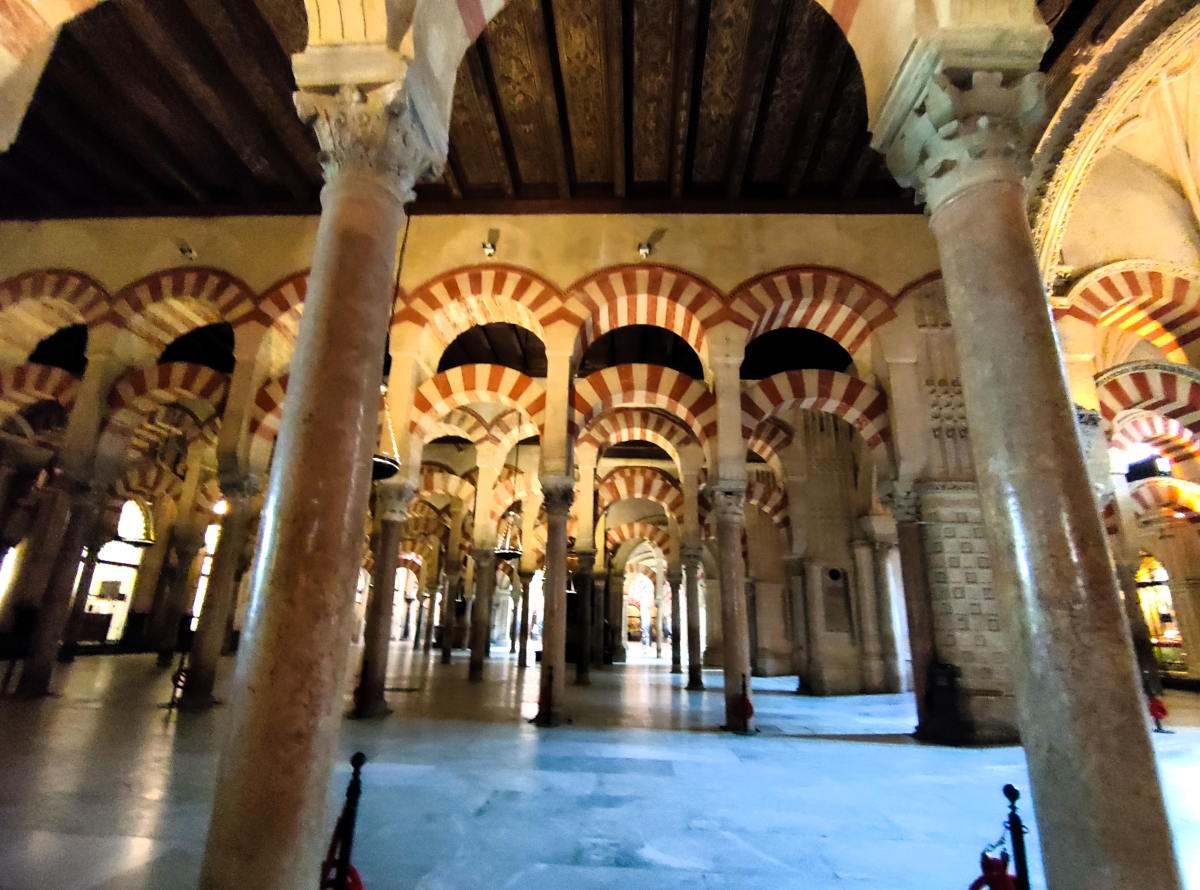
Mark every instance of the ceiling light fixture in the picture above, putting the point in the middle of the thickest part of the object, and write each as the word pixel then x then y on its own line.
pixel 645 248
pixel 489 246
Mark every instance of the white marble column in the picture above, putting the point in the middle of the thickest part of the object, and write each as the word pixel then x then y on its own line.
pixel 1103 826
pixel 870 646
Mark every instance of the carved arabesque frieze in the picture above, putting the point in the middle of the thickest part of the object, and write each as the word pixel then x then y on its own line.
pixel 473 126
pixel 580 26
pixel 968 127
pixel 724 66
pixel 375 131
pixel 654 27
pixel 785 100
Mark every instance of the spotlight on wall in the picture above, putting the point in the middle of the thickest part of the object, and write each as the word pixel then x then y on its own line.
pixel 645 248
pixel 186 250
pixel 489 246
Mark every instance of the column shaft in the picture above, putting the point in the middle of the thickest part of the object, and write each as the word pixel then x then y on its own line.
pixel 219 597
pixel 526 579
pixel 583 650
pixel 56 602
pixel 691 568
pixel 163 632
pixel 557 495
pixel 674 579
pixel 449 606
pixel 369 697
pixel 70 643
pixel 481 615
pixel 730 506
pixel 269 825
pixel 814 601
pixel 870 645
pixel 1082 716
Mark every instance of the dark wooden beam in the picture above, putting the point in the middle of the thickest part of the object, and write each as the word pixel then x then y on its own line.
pixel 690 43
pixel 554 101
pixel 479 65
pixel 614 47
pixel 288 21
pixel 25 178
pixel 104 158
pixel 763 45
pixel 252 55
pixel 818 103
pixel 127 123
pixel 452 176
pixel 181 46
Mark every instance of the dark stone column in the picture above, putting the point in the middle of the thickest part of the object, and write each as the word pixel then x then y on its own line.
pixel 558 495
pixel 691 568
pixel 526 578
pixel 583 589
pixel 730 506
pixel 70 644
pixel 481 617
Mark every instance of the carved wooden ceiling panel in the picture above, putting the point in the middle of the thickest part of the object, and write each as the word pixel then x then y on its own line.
pixel 152 107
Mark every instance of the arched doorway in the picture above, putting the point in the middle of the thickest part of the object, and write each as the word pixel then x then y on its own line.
pixel 1158 607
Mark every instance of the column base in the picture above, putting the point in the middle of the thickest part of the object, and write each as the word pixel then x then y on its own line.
pixel 475 673
pixel 370 711
pixel 676 668
pixel 546 718
pixel 695 684
pixel 196 703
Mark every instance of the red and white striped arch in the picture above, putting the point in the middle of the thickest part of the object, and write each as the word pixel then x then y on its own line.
pixel 852 399
pixel 1171 392
pixel 141 391
pixel 36 304
pixel 168 304
pixel 1165 434
pixel 637 425
pixel 645 483
pixel 771 499
pixel 265 417
pixel 463 423
pixel 646 386
pixel 1159 303
pixel 832 302
pixel 509 491
pixel 282 300
pixel 508 429
pixel 649 295
pixel 464 298
pixel 1177 496
pixel 27 385
pixel 767 441
pixel 464 385
pixel 147 481
pixel 640 530
pixel 435 481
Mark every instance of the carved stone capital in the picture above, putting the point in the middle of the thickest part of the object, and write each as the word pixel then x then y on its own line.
pixel 675 578
pixel 374 131
pixel 690 556
pixel 392 500
pixel 237 490
pixel 905 504
pixel 485 558
pixel 557 495
pixel 729 504
pixel 968 127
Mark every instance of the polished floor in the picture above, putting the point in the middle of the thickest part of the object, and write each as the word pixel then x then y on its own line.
pixel 101 788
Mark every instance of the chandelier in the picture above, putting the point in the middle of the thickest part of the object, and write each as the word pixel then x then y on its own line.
pixel 509 545
pixel 386 464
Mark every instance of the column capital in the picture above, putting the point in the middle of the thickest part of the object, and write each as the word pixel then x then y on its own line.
pixel 375 131
pixel 587 562
pixel 392 500
pixel 239 487
pixel 558 493
pixel 675 577
pixel 794 565
pixel 690 556
pixel 963 127
pixel 729 503
pixel 484 557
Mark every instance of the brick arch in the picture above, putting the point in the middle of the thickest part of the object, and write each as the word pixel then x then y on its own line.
pixel 645 483
pixel 1171 391
pixel 461 422
pixel 435 480
pixel 771 499
pixel 511 490
pixel 265 416
pixel 461 386
pixel 36 304
pixel 637 425
pixel 146 481
pixel 29 384
pixel 656 295
pixel 833 302
pixel 143 389
pixel 646 386
pixel 1165 492
pixel 852 399
pixel 182 291
pixel 767 441
pixel 1155 301
pixel 1166 434
pixel 641 530
pixel 508 429
pixel 470 296
pixel 281 299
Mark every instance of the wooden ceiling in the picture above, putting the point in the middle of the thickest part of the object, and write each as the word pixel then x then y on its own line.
pixel 153 108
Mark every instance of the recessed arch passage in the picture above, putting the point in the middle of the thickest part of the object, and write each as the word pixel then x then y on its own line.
pixel 852 399
pixel 1172 391
pixel 26 385
pixel 464 385
pixel 640 483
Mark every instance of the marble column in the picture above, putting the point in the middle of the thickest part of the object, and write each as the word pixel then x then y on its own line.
pixel 584 589
pixel 219 596
pixel 526 578
pixel 449 606
pixel 481 617
pixel 1143 648
pixel 79 601
pixel 870 645
pixel 675 579
pixel 430 605
pixel 794 590
pixel 557 494
pixel 270 827
pixel 891 601
pixel 729 504
pixel 618 616
pixel 391 507
pixel 814 607
pixel 84 513
pixel 691 570
pixel 163 631
pixel 660 579
pixel 1100 810
pixel 43 547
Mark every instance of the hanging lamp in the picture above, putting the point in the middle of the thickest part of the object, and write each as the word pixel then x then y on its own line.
pixel 509 545
pixel 386 464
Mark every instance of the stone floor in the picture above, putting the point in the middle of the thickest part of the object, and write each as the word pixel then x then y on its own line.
pixel 100 788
